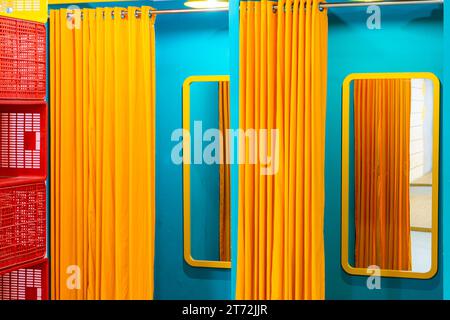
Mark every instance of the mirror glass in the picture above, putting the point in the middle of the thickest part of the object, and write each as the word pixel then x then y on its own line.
pixel 209 174
pixel 392 174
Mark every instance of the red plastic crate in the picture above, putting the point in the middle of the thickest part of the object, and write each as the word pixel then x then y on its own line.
pixel 23 139
pixel 22 59
pixel 23 221
pixel 30 282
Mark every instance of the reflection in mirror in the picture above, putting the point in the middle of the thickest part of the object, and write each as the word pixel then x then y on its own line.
pixel 210 177
pixel 391 170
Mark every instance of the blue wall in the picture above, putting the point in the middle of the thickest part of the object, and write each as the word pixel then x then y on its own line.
pixel 234 124
pixel 411 39
pixel 192 44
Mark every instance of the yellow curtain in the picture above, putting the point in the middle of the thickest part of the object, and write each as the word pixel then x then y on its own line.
pixel 102 154
pixel 382 109
pixel 224 176
pixel 283 59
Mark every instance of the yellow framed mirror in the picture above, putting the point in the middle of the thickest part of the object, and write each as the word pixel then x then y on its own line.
pixel 390 174
pixel 219 102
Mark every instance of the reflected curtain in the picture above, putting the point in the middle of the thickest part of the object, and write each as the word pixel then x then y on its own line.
pixel 283 59
pixel 382 109
pixel 224 175
pixel 102 154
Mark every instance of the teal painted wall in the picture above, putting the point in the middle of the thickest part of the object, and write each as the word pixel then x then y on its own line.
pixel 411 39
pixel 192 44
pixel 205 206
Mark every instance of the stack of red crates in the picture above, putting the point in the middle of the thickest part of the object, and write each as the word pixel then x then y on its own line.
pixel 23 161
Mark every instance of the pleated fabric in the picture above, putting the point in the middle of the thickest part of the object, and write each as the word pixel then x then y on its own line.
pixel 224 173
pixel 382 109
pixel 283 72
pixel 102 98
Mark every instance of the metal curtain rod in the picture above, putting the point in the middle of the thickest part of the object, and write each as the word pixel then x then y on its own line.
pixel 322 5
pixel 348 4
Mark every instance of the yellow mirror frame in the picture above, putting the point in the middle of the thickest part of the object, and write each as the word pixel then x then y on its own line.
pixel 187 175
pixel 345 175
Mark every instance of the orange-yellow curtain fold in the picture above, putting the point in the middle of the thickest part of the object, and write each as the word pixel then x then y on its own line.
pixel 283 58
pixel 102 99
pixel 382 109
pixel 224 175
